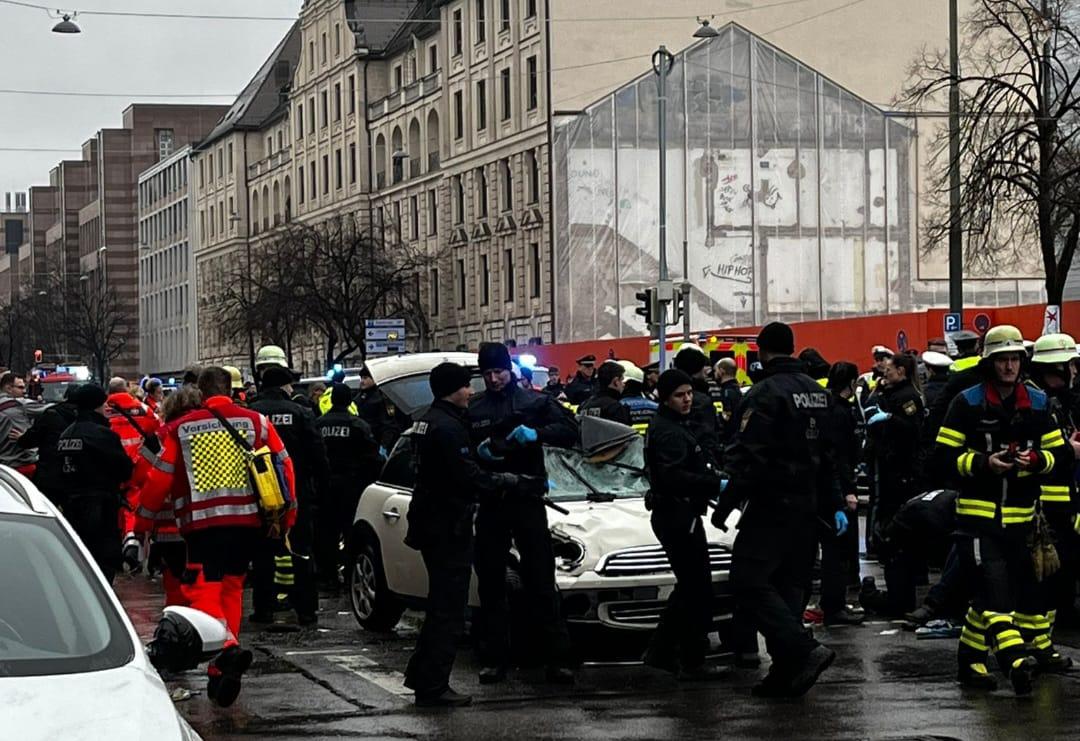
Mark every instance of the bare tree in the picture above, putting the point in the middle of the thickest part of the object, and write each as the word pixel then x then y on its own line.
pixel 94 322
pixel 1020 136
pixel 345 274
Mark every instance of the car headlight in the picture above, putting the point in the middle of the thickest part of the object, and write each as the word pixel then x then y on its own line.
pixel 569 552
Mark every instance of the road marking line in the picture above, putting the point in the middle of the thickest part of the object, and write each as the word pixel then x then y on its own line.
pixel 371 671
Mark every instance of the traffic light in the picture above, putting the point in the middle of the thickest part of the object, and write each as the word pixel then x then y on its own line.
pixel 647 310
pixel 37 356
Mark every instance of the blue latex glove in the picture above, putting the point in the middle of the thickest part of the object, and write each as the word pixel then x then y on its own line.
pixel 879 417
pixel 551 485
pixel 841 523
pixel 523 435
pixel 724 484
pixel 484 451
pixel 383 453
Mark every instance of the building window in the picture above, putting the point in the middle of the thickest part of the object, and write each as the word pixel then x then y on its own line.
pixel 220 165
pixel 508 275
pixel 314 181
pixel 311 115
pixel 433 58
pixel 325 174
pixel 352 163
pixel 459 200
pixel 397 220
pixel 461 284
pixel 414 216
pixel 504 77
pixel 337 169
pixel 459 115
pixel 485 280
pixel 432 212
pixel 507 185
pixel 534 250
pixel 323 56
pixel 434 288
pixel 269 146
pixel 300 190
pixel 212 222
pixel 337 39
pixel 311 57
pixel 530 8
pixel 534 176
pixel 165 143
pixel 481 105
pixel 325 108
pixel 481 193
pixel 530 65
pixel 481 21
pixel 337 101
pixel 202 173
pixel 504 15
pixel 228 149
pixel 397 77
pixel 299 120
pixel 352 93
pixel 457 33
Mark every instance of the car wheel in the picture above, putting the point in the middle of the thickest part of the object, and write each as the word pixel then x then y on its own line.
pixel 374 607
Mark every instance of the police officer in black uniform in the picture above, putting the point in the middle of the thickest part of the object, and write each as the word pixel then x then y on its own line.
pixel 725 372
pixel 44 436
pixel 704 421
pixel 894 443
pixel 449 483
pixel 386 420
pixel 353 456
pixel 95 469
pixel 682 481
pixel 780 465
pixel 554 386
pixel 509 425
pixel 296 427
pixel 584 382
pixel 605 403
pixel 963 374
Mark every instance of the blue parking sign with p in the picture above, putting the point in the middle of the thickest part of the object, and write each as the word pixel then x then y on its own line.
pixel 952 323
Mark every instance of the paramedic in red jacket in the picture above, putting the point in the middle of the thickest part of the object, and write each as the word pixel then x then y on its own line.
pixel 132 421
pixel 203 470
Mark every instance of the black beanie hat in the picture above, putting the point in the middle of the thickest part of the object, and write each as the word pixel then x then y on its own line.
pixel 494 355
pixel 776 338
pixel 669 381
pixel 446 378
pixel 690 360
pixel 341 396
pixel 275 376
pixel 89 396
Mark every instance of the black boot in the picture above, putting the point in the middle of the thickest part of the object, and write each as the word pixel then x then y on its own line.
pixel 445 699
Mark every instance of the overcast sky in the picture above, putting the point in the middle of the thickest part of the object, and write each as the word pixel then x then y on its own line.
pixel 132 56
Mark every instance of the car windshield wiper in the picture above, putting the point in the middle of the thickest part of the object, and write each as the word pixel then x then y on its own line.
pixel 595 495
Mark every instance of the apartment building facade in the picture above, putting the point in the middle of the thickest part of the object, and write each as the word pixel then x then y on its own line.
pixel 166 268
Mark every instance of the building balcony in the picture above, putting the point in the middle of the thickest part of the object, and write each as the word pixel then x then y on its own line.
pixel 411 93
pixel 277 159
pixel 432 161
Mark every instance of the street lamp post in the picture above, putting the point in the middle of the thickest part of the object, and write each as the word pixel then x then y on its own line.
pixel 956 244
pixel 662 61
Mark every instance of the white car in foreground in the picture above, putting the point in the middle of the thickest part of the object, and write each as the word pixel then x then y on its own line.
pixel 610 570
pixel 71 665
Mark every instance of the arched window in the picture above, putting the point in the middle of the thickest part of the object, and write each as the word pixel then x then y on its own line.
pixel 254 212
pixel 380 161
pixel 277 203
pixel 433 140
pixel 414 149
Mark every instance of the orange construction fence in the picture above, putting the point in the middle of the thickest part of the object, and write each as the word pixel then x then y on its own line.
pixel 836 339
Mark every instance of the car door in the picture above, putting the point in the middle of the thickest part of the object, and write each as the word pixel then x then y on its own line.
pixel 392 493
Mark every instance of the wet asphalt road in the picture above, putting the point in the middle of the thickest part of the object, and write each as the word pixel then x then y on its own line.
pixel 338 681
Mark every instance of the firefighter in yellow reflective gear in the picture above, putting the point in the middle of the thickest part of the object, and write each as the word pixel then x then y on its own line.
pixel 1058 501
pixel 999 444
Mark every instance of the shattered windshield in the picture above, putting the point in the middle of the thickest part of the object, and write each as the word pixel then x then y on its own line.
pixel 576 478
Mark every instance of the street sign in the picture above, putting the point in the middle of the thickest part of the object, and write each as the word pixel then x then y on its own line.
pixel 1052 320
pixel 384 348
pixel 953 323
pixel 384 334
pixel 981 323
pixel 384 323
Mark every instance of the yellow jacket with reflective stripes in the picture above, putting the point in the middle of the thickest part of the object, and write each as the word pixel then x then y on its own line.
pixel 978 424
pixel 1058 495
